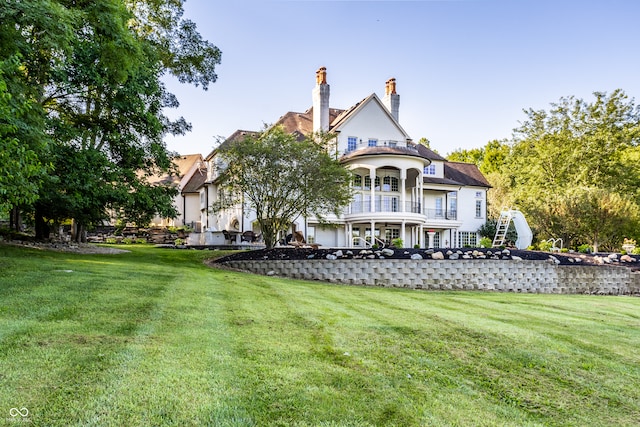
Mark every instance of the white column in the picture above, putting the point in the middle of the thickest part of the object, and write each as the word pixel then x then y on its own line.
pixel 403 187
pixel 372 177
pixel 431 234
pixel 373 233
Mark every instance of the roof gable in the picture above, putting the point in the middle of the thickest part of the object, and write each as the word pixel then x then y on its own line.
pixel 372 101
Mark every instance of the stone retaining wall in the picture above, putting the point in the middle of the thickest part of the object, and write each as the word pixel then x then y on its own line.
pixel 485 275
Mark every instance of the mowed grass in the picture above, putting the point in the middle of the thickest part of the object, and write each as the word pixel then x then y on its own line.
pixel 155 337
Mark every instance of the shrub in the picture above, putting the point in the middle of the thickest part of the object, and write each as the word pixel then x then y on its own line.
pixel 178 242
pixel 564 250
pixel 127 240
pixel 545 246
pixel 398 243
pixel 111 240
pixel 636 251
pixel 584 249
pixel 416 246
pixel 486 242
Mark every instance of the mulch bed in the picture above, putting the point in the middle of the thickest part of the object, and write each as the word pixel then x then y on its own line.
pixel 303 253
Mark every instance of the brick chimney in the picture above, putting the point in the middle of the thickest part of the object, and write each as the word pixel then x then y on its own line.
pixel 392 99
pixel 321 102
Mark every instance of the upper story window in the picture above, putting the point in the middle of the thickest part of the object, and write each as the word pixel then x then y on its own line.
pixel 357 181
pixel 352 143
pixel 478 208
pixel 478 194
pixel 389 183
pixel 430 170
pixel 373 142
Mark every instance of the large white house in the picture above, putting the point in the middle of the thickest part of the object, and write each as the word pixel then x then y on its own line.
pixel 401 189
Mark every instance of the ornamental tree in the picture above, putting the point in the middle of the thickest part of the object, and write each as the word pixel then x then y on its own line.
pixel 282 177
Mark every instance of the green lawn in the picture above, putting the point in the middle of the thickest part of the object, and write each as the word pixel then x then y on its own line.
pixel 154 337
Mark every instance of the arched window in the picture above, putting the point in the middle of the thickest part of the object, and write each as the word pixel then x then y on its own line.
pixel 357 181
pixel 390 183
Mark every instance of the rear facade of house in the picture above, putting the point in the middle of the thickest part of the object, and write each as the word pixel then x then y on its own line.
pixel 402 190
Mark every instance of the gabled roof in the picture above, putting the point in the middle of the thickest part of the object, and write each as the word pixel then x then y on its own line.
pixel 236 136
pixel 196 182
pixel 466 174
pixel 184 165
pixel 350 112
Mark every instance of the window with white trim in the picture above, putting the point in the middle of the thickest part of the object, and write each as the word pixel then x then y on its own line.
pixel 373 142
pixel 478 208
pixel 430 170
pixel 352 143
pixel 389 183
pixel 467 239
pixel 357 181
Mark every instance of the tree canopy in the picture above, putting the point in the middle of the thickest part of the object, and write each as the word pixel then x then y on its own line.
pixel 86 100
pixel 282 177
pixel 571 169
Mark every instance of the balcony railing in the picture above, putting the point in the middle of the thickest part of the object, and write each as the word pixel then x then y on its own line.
pixel 381 143
pixel 441 214
pixel 386 206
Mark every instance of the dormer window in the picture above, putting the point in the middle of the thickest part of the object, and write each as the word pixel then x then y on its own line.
pixel 430 170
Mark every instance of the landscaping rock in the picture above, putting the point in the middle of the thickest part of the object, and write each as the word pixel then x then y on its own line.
pixel 388 252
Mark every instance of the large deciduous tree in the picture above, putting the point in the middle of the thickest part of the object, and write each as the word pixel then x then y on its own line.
pixel 572 169
pixel 282 178
pixel 96 78
pixel 491 160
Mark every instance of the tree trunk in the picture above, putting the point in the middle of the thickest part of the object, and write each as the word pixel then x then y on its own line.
pixel 78 232
pixel 42 227
pixel 15 219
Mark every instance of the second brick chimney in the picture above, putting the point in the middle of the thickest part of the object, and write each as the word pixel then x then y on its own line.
pixel 391 98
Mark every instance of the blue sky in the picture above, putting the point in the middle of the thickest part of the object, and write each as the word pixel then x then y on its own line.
pixel 465 70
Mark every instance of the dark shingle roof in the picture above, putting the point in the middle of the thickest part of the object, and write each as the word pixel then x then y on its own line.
pixel 465 174
pixel 302 123
pixel 236 136
pixel 197 180
pixel 429 153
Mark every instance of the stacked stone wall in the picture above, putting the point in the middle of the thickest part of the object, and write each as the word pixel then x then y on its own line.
pixel 484 275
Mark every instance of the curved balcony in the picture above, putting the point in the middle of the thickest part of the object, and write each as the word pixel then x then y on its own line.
pixel 393 210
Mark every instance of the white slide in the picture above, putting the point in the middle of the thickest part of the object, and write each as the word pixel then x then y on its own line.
pixel 525 235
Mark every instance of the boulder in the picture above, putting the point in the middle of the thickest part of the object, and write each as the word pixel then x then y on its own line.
pixel 387 252
pixel 437 255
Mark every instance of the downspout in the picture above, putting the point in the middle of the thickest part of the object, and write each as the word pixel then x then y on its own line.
pixel 184 209
pixel 206 206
